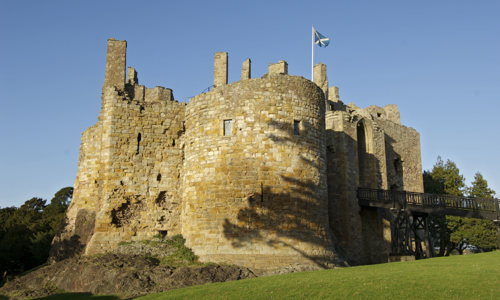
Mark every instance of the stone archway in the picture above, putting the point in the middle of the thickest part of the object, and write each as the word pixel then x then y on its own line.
pixel 366 163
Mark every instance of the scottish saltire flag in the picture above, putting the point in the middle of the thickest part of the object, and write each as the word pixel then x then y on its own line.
pixel 320 39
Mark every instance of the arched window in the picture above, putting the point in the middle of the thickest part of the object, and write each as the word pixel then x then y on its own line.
pixel 365 170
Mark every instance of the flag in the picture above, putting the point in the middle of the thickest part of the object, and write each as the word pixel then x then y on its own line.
pixel 320 39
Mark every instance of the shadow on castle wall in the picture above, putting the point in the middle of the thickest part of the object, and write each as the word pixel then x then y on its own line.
pixel 71 244
pixel 395 179
pixel 362 234
pixel 274 218
pixel 290 217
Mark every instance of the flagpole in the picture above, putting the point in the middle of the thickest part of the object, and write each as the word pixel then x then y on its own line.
pixel 312 54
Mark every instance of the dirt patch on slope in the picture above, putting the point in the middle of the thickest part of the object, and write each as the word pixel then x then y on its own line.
pixel 118 274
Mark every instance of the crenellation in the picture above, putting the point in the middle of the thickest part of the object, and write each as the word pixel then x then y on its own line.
pixel 259 172
pixel 115 64
pixel 220 69
pixel 139 93
pixel 158 94
pixel 246 69
pixel 333 93
pixel 280 67
pixel 320 78
pixel 132 76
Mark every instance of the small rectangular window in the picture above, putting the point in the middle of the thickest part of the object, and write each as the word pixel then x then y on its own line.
pixel 296 127
pixel 228 127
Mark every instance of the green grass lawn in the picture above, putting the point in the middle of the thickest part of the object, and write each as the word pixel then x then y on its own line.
pixel 457 277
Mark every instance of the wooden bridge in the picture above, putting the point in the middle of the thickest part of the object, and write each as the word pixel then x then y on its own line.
pixel 410 227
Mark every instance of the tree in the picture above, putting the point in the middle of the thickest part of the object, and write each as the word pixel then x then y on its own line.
pixel 445 178
pixel 5 214
pixel 55 211
pixel 51 219
pixel 16 245
pixel 27 232
pixel 480 189
pixel 455 232
pixel 483 233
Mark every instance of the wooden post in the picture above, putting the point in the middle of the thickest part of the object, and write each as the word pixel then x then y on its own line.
pixel 429 249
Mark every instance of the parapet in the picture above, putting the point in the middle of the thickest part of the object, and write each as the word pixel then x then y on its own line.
pixel 116 74
pixel 158 94
pixel 389 112
pixel 280 67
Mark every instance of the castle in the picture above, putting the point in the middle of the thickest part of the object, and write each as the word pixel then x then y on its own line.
pixel 262 172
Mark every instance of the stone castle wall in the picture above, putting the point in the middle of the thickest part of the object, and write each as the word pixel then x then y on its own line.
pixel 262 172
pixel 367 148
pixel 127 183
pixel 259 189
pixel 141 195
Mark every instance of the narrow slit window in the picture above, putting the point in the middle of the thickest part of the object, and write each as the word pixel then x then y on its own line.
pixel 296 127
pixel 138 143
pixel 228 127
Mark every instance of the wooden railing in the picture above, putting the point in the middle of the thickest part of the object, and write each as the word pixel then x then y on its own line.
pixel 431 203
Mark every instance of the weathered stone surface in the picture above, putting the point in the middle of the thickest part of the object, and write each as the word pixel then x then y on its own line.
pixel 262 190
pixel 320 78
pixel 115 64
pixel 246 69
pixel 262 172
pixel 220 69
pixel 367 148
pixel 280 67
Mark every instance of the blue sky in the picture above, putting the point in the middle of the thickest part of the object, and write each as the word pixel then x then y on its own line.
pixel 439 61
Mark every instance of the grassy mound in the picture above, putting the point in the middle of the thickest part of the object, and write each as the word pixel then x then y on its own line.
pixel 165 252
pixel 458 277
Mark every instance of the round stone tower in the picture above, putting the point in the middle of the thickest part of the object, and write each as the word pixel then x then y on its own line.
pixel 254 181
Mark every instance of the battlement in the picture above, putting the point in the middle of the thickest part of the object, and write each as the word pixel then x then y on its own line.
pixel 115 77
pixel 116 60
pixel 280 67
pixel 126 79
pixel 158 94
pixel 220 69
pixel 132 76
pixel 246 69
